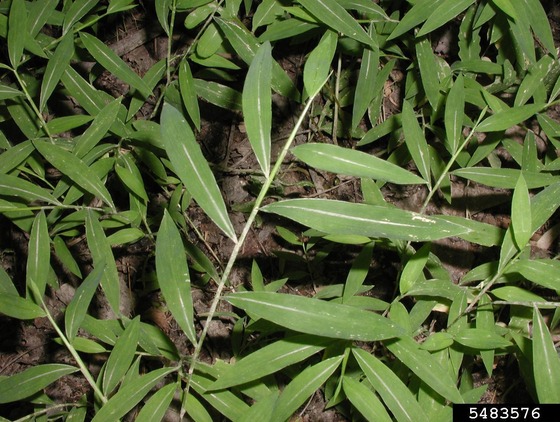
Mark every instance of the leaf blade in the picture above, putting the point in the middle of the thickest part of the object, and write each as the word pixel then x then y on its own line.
pixel 192 168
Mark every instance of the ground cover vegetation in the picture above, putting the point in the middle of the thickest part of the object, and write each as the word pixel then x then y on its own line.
pixel 318 209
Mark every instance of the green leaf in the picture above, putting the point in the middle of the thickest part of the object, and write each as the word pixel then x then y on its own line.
pixel 454 112
pixel 56 66
pixel 318 64
pixel 173 276
pixel 257 105
pixel 17 31
pixel 67 123
pixel 534 80
pixel 131 177
pixel 227 403
pixel 415 141
pixel 218 94
pixel 129 395
pixel 365 400
pixel 196 410
pixel 358 273
pixel 546 362
pixel 332 14
pixel 17 307
pixel 480 339
pixel 103 257
pixel 262 409
pixel 77 11
pixel 86 95
pixel 157 405
pixel 302 387
pixel 114 64
pixel 443 13
pixel 425 366
pixel 162 13
pixel 7 92
pixel 544 272
pixel 421 10
pixel 121 356
pixel 246 45
pixel 31 381
pixel 515 294
pixel 428 67
pixel 39 256
pixel 192 168
pixel 78 307
pixel 521 213
pixel 505 119
pixel 270 359
pixel 124 236
pixel 313 316
pixel 338 217
pixel 540 23
pixel 365 86
pixel 19 188
pixel 395 394
pixel 98 129
pixel 414 268
pixel 188 92
pixel 353 163
pixel 437 341
pixel 75 169
pixel 480 233
pixel 39 13
pixel 506 6
pixel 505 177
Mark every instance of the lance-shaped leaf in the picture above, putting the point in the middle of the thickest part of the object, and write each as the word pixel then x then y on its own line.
pixel 15 306
pixel 505 119
pixel 395 394
pixel 157 405
pixel 17 31
pixel 246 45
pixel 56 66
pixel 39 257
pixel 114 64
pixel 218 94
pixel 257 105
pixel 454 111
pixel 78 307
pixel 270 359
pixel 121 356
pixel 98 129
pixel 302 387
pixel 428 67
pixel 9 92
pixel 544 272
pixel 77 11
pixel 129 395
pixel 365 86
pixel 419 13
pixel 505 178
pixel 318 64
pixel 103 256
pixel 192 168
pixel 75 169
pixel 521 213
pixel 173 275
pixel 313 316
pixel 339 217
pixel 353 163
pixel 188 92
pixel 425 367
pixel 546 362
pixel 365 400
pixel 415 141
pixel 15 186
pixel 480 339
pixel 31 381
pixel 443 13
pixel 332 14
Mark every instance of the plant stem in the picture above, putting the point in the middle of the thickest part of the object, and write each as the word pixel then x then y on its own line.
pixel 239 244
pixel 32 104
pixel 451 162
pixel 71 349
